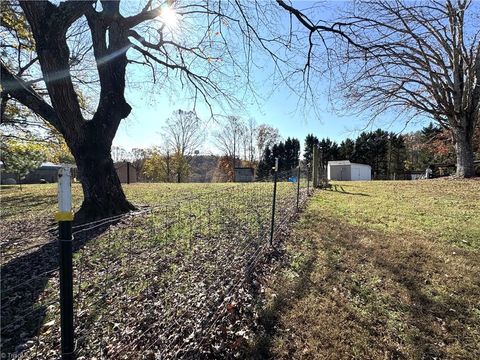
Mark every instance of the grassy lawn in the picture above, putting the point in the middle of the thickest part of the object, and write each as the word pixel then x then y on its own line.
pixel 27 214
pixel 379 270
pixel 40 201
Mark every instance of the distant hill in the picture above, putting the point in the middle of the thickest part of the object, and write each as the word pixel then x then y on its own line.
pixel 202 168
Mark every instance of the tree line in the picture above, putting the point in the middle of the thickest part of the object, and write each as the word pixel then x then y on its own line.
pixel 177 157
pixel 287 153
pixel 238 142
pixel 243 143
pixel 392 155
pixel 384 151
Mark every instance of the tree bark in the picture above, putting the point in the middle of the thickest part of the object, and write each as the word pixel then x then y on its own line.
pixel 102 190
pixel 464 151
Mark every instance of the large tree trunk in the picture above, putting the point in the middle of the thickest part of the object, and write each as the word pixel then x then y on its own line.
pixel 102 190
pixel 464 151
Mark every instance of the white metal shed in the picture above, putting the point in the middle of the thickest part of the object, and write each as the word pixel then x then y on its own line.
pixel 348 171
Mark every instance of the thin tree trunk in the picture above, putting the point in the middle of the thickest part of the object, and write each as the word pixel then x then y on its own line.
pixel 168 167
pixel 19 181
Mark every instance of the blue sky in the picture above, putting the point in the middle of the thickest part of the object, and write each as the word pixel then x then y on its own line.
pixel 142 127
pixel 153 105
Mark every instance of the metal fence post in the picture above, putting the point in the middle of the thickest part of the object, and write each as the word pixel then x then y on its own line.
pixel 308 180
pixel 298 186
pixel 315 166
pixel 272 225
pixel 64 216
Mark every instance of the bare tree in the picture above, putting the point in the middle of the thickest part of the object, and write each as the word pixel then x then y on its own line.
pixel 205 47
pixel 183 133
pixel 137 156
pixel 250 138
pixel 238 137
pixel 119 154
pixel 267 136
pixel 229 137
pixel 423 58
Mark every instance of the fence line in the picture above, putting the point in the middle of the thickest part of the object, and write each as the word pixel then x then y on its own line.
pixel 182 260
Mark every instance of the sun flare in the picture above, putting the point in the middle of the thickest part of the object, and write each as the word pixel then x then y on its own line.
pixel 169 17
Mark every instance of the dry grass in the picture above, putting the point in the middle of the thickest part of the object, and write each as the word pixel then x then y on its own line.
pixel 379 270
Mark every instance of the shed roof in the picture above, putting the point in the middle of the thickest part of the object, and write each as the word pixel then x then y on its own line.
pixel 339 162
pixel 344 162
pixel 49 164
pixel 44 165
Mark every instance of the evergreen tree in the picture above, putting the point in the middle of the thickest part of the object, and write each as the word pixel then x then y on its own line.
pixel 266 163
pixel 430 131
pixel 292 153
pixel 372 148
pixel 310 142
pixel 397 156
pixel 346 149
pixel 278 151
pixel 328 151
pixel 288 154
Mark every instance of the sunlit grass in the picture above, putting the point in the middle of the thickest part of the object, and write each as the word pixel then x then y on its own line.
pixel 40 200
pixel 379 270
pixel 444 210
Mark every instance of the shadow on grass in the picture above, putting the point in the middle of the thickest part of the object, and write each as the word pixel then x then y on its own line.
pixel 430 313
pixel 430 321
pixel 9 187
pixel 339 189
pixel 270 316
pixel 25 295
pixel 15 206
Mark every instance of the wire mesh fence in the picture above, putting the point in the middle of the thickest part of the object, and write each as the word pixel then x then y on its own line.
pixel 162 282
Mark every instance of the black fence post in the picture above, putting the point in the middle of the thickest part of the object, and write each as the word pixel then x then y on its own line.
pixel 298 187
pixel 65 217
pixel 272 225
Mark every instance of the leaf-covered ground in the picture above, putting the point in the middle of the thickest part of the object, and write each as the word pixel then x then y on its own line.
pixel 175 279
pixel 378 270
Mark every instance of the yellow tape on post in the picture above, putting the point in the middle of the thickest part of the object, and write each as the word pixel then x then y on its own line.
pixel 64 216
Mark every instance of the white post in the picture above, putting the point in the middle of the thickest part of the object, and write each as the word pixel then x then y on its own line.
pixel 64 195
